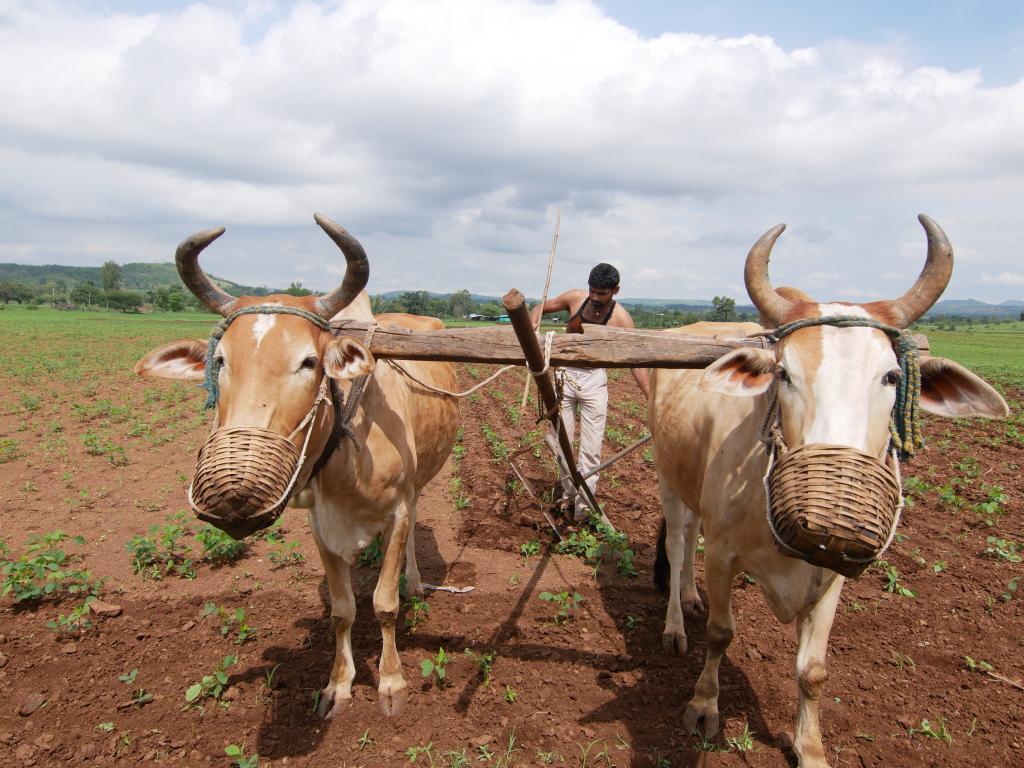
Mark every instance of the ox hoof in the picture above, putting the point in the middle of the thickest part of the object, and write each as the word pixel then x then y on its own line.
pixel 392 700
pixel 331 703
pixel 698 713
pixel 674 643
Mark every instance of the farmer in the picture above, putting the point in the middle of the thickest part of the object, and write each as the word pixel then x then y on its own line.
pixel 588 387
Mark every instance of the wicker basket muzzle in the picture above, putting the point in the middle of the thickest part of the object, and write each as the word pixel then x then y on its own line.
pixel 241 476
pixel 832 506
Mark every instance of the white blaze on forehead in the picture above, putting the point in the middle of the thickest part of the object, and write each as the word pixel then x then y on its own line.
pixel 262 326
pixel 851 361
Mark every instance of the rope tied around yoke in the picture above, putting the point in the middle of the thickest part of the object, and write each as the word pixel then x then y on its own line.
pixel 905 424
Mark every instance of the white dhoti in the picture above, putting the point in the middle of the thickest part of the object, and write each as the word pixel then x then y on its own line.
pixel 587 388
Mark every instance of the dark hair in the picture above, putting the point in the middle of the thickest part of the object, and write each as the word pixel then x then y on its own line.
pixel 604 276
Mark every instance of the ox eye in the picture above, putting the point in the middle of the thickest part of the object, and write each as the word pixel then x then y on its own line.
pixel 309 363
pixel 784 376
pixel 892 378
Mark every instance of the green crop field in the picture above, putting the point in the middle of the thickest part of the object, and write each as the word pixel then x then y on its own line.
pixel 994 351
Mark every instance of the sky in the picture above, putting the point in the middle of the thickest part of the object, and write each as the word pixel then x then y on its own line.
pixel 445 135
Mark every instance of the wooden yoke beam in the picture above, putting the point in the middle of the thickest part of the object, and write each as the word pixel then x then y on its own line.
pixel 596 347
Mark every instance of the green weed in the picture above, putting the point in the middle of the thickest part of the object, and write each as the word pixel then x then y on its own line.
pixel 436 668
pixel 566 604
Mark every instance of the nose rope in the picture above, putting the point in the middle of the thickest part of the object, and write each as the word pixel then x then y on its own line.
pixel 905 423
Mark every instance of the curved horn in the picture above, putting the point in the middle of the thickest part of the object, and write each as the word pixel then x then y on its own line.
pixel 769 303
pixel 932 281
pixel 357 273
pixel 197 281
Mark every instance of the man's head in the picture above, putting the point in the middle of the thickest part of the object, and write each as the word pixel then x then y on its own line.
pixel 604 284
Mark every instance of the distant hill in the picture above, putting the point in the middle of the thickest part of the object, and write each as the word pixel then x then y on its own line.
pixel 149 276
pixel 134 277
pixel 975 308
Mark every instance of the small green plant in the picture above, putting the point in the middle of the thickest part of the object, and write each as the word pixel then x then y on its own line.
pixel 8 450
pixel 436 668
pixel 76 621
pixel 939 732
pixel 235 621
pixel 901 661
pixel 892 580
pixel 992 506
pixel 240 760
pixel 978 666
pixel 742 743
pixel 162 552
pixel 529 548
pixel 596 542
pixel 1011 589
pixel 426 750
pixel 129 677
pixel 45 570
pixel 510 694
pixel 457 759
pixel 565 603
pixel 219 547
pixel 365 740
pixel 418 610
pixel 212 685
pixel 499 451
pixel 286 553
pixel 1003 549
pixel 484 662
pixel 106 727
pixel 372 555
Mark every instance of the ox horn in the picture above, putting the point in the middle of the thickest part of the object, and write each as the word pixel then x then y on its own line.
pixel 197 281
pixel 932 281
pixel 357 272
pixel 769 303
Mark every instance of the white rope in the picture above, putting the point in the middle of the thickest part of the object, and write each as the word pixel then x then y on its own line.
pixel 441 391
pixel 548 337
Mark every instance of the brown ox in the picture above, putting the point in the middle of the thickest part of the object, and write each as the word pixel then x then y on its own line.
pixel 835 386
pixel 271 366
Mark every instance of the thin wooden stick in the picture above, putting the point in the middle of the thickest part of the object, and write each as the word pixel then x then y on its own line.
pixel 1006 680
pixel 543 300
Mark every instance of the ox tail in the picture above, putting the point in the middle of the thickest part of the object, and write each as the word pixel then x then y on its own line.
pixel 661 564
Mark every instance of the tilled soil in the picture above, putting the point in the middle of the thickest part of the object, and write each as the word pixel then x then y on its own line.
pixel 594 690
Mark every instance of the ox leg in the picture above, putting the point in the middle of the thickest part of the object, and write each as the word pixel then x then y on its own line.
pixel 343 614
pixel 393 691
pixel 413 584
pixel 680 545
pixel 718 573
pixel 813 628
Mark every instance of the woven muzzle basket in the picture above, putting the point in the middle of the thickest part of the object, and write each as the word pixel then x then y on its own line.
pixel 832 506
pixel 241 479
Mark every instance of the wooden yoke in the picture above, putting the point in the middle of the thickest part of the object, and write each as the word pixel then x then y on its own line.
pixel 515 305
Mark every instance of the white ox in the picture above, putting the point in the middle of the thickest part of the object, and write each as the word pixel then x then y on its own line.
pixel 271 366
pixel 835 386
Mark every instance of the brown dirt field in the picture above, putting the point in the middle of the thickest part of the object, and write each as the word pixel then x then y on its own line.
pixel 596 691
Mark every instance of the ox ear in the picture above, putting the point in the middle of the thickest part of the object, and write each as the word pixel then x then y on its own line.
pixel 184 359
pixel 948 389
pixel 743 372
pixel 346 358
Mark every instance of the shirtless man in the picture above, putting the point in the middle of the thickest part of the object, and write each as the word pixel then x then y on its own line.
pixel 588 386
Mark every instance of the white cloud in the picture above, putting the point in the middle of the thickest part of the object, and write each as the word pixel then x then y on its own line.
pixel 1003 278
pixel 445 134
